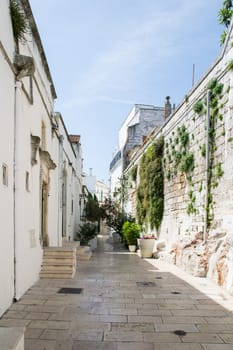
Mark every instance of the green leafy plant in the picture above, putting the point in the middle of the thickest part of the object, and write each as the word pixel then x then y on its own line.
pixel 86 232
pixel 150 195
pixel 187 163
pixel 134 172
pixel 230 65
pixel 203 150
pixel 198 107
pixel 130 231
pixel 224 17
pixel 219 171
pixel 92 209
pixel 20 24
pixel 191 205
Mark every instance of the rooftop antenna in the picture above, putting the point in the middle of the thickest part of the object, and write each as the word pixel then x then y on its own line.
pixel 193 77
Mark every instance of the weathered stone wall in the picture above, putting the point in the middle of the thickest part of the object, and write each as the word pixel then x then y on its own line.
pixel 183 226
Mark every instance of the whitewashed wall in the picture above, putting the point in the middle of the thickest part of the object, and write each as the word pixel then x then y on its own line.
pixel 6 158
pixel 22 116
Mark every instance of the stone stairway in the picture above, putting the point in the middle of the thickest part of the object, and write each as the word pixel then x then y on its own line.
pixel 58 262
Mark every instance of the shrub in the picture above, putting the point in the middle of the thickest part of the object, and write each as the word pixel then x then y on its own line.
pixel 198 107
pixel 86 232
pixel 131 232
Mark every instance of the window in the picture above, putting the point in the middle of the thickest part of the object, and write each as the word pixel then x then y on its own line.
pixel 5 174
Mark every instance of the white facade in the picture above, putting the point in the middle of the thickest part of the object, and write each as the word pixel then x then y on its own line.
pixel 90 182
pixel 102 191
pixel 35 150
pixel 141 120
pixel 96 187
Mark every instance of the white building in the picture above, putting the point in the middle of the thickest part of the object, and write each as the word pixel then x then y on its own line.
pixel 96 187
pixel 41 166
pixel 102 191
pixel 141 120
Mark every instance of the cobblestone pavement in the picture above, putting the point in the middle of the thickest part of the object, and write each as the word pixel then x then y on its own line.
pixel 126 303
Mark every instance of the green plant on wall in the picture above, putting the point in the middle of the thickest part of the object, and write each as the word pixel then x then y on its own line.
pixel 214 170
pixel 134 172
pixel 150 192
pixel 198 107
pixel 191 209
pixel 19 21
pixel 180 158
pixel 224 17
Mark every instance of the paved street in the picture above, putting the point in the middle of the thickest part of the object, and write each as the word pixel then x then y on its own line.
pixel 125 303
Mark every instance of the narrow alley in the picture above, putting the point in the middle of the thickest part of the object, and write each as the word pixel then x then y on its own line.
pixel 124 303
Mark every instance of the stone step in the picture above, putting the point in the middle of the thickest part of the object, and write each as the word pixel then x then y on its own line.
pixel 61 268
pixel 59 262
pixel 47 261
pixel 56 275
pixel 65 255
pixel 12 338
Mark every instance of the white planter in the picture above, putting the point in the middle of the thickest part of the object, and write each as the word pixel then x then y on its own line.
pixel 132 248
pixel 146 247
pixel 93 243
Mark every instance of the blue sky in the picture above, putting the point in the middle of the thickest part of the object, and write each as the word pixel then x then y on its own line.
pixel 106 55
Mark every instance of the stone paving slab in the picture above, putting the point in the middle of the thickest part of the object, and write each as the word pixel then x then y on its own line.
pixel 117 310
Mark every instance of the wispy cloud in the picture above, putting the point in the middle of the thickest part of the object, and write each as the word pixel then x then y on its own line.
pixel 117 69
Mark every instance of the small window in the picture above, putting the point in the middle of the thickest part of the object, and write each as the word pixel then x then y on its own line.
pixel 27 181
pixel 72 206
pixel 5 175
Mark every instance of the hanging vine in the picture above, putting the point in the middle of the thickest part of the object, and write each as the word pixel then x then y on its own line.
pixel 150 192
pixel 215 171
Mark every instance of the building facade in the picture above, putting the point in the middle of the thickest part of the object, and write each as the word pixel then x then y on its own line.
pixel 40 164
pixel 141 120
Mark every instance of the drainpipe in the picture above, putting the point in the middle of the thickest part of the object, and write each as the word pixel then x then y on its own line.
pixel 16 177
pixel 61 138
pixel 207 163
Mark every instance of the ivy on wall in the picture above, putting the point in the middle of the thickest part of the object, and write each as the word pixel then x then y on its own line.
pixel 215 171
pixel 178 158
pixel 150 192
pixel 177 155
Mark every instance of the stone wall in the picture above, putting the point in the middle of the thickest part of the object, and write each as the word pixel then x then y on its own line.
pixel 201 247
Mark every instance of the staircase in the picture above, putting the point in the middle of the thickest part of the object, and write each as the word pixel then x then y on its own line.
pixel 58 262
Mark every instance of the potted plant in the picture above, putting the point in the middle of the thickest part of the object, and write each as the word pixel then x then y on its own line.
pixel 130 232
pixel 146 245
pixel 87 232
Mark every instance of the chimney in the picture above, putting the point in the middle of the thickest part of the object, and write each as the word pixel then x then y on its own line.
pixel 90 171
pixel 167 108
